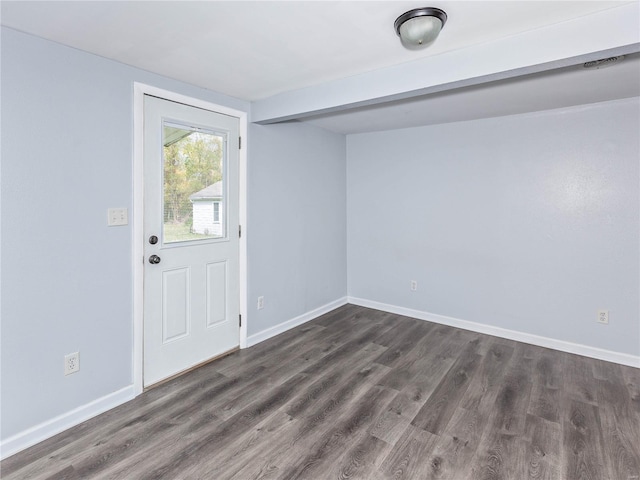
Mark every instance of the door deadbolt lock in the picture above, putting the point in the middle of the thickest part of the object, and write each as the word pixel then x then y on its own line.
pixel 154 259
pixel 153 239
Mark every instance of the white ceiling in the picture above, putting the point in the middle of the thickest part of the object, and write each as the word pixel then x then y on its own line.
pixel 253 50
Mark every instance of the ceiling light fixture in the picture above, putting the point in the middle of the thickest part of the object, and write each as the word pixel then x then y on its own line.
pixel 419 27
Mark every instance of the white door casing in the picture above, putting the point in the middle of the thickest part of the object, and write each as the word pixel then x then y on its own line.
pixel 191 297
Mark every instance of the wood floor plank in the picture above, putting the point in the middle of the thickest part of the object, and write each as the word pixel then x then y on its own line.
pixel 198 449
pixel 323 416
pixel 352 425
pixel 68 473
pixel 311 361
pixel 410 400
pixel 242 361
pixel 584 457
pixel 234 363
pixel 390 426
pixel 483 388
pixel 579 382
pixel 360 460
pixel 344 351
pixel 232 460
pixel 423 370
pixel 631 378
pixel 389 337
pixel 512 401
pixel 621 434
pixel 142 445
pixel 316 407
pixel 545 391
pixel 502 452
pixel 296 341
pixel 429 359
pixel 315 419
pixel 404 461
pixel 548 368
pixel 545 402
pixel 258 469
pixel 542 449
pixel 453 455
pixel 501 457
pixel 336 388
pixel 362 394
pixel 456 447
pixel 346 313
pixel 438 410
pixel 403 342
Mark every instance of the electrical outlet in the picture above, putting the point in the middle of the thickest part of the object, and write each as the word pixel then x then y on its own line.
pixel 413 285
pixel 71 363
pixel 603 316
pixel 260 303
pixel 117 217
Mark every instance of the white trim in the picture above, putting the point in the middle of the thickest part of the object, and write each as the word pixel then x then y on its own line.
pixel 48 429
pixel 245 229
pixel 139 91
pixel 561 345
pixel 294 322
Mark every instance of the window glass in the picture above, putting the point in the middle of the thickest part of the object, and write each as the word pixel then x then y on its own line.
pixel 193 183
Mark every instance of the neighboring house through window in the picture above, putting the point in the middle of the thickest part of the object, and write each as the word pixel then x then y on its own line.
pixel 207 211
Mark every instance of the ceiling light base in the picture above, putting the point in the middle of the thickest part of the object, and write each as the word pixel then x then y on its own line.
pixel 419 27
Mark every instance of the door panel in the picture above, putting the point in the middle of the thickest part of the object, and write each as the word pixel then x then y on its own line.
pixel 191 204
pixel 216 293
pixel 175 304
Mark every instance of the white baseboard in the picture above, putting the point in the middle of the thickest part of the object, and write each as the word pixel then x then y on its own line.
pixel 294 322
pixel 52 427
pixel 561 345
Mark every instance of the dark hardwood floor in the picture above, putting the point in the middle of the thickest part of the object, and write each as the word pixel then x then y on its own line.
pixel 362 394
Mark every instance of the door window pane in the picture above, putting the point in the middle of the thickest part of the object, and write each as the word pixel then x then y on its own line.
pixel 216 212
pixel 194 190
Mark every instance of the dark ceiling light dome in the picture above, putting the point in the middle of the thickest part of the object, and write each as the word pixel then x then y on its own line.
pixel 419 27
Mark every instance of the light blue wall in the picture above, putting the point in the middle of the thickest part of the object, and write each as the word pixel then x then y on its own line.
pixel 297 218
pixel 67 123
pixel 529 223
pixel 67 142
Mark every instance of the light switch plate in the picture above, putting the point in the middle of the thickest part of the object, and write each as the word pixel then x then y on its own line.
pixel 117 217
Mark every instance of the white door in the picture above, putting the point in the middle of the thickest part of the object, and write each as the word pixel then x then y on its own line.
pixel 191 205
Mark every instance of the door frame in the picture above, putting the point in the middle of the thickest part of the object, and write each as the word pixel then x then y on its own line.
pixel 137 257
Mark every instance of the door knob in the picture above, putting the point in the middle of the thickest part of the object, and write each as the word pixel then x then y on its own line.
pixel 154 259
